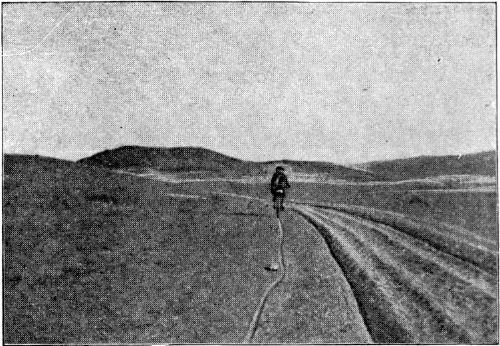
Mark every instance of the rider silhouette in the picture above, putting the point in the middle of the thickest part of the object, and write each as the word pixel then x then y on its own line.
pixel 279 183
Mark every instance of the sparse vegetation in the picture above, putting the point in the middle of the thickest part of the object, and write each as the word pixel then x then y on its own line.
pixel 94 256
pixel 91 256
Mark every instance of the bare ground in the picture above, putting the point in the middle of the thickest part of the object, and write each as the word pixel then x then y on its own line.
pixel 410 286
pixel 314 303
pixel 417 274
pixel 95 257
pixel 91 256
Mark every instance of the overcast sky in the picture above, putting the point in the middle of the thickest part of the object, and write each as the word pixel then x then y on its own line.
pixel 331 82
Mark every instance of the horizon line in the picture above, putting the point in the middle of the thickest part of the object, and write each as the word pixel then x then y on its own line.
pixel 252 161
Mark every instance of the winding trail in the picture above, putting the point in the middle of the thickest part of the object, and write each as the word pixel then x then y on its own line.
pixel 256 316
pixel 415 281
pixel 252 328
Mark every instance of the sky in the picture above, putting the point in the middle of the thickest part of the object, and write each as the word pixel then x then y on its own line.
pixel 339 82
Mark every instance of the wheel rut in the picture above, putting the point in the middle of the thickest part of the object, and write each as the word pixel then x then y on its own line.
pixel 409 290
pixel 414 282
pixel 463 244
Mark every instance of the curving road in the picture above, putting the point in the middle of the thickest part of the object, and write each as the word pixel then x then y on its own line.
pixel 413 283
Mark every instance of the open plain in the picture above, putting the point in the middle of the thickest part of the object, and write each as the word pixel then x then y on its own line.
pixel 95 253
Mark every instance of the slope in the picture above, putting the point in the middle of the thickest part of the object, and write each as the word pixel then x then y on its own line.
pixel 195 159
pixel 430 166
pixel 179 159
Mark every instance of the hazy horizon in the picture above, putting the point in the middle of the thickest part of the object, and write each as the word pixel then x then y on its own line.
pixel 334 82
pixel 236 157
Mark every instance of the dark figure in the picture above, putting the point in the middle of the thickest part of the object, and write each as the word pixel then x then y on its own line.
pixel 279 183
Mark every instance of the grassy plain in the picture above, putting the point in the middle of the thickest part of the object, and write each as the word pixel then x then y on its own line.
pixel 95 256
pixel 472 210
pixel 92 256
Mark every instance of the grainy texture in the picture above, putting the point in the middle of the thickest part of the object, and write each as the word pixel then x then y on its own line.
pixel 96 256
pixel 343 82
pixel 161 230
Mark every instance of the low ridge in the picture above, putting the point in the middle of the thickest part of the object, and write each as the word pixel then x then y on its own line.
pixel 196 159
pixel 483 163
pixel 177 159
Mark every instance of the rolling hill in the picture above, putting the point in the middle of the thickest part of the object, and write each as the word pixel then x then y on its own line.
pixel 209 163
pixel 166 159
pixel 94 256
pixel 195 159
pixel 483 163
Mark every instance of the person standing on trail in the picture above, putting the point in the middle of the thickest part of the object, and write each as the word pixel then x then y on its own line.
pixel 279 183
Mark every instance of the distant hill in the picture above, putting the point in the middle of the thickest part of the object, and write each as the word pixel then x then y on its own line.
pixel 211 163
pixel 13 163
pixel 208 163
pixel 430 166
pixel 180 159
pixel 327 169
pixel 195 159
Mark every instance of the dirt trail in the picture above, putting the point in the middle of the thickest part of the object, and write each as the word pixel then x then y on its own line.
pixel 414 281
pixel 410 287
pixel 254 324
pixel 258 311
pixel 179 195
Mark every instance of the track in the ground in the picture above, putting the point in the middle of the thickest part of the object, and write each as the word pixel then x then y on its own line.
pixel 254 323
pixel 412 283
pixel 258 311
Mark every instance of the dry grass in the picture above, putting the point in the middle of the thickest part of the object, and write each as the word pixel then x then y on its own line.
pixel 91 256
pixel 474 211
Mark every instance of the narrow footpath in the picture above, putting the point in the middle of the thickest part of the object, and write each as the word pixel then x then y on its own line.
pixel 281 274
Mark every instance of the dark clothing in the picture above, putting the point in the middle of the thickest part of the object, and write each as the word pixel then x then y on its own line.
pixel 279 183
